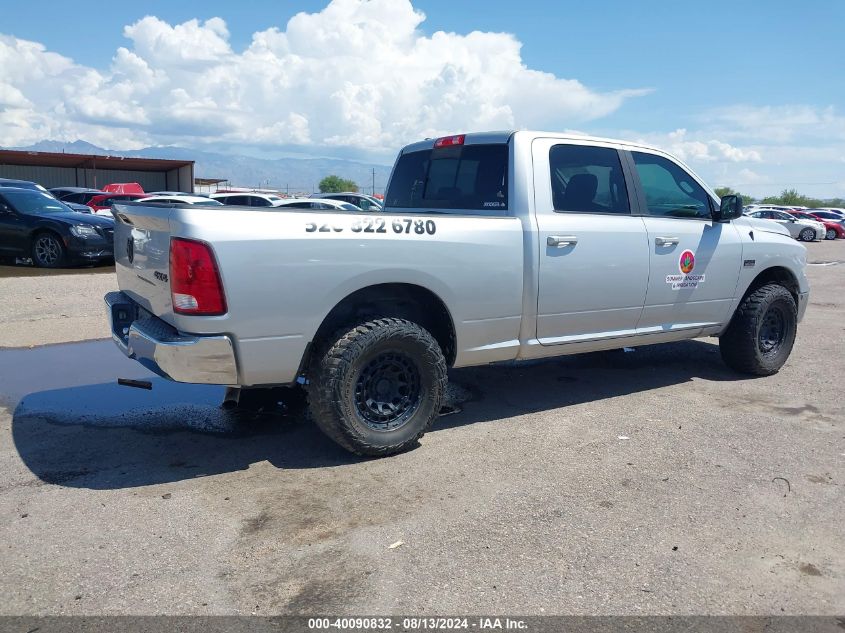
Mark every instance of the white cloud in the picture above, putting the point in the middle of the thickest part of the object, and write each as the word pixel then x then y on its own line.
pixel 698 148
pixel 778 124
pixel 358 73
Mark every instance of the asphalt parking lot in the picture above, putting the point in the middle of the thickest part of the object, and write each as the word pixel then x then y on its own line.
pixel 647 482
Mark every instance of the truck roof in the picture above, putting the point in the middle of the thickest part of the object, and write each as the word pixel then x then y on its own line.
pixel 503 136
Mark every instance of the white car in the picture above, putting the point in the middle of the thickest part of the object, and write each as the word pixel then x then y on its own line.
pixel 200 201
pixel 250 199
pixel 360 200
pixel 318 203
pixel 800 229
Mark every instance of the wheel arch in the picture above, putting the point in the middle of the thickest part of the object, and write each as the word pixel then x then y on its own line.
pixel 41 230
pixel 400 300
pixel 775 274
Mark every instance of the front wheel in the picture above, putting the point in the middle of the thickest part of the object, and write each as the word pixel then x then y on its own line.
pixel 762 332
pixel 830 234
pixel 807 235
pixel 48 251
pixel 378 387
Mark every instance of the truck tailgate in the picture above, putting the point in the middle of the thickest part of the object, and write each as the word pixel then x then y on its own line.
pixel 142 256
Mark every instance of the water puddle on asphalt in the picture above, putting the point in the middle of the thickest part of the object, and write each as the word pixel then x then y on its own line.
pixel 76 384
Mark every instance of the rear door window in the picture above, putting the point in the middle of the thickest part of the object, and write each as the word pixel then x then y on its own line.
pixel 587 179
pixel 473 177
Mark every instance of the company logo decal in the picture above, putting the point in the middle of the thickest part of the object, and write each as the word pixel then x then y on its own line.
pixel 685 280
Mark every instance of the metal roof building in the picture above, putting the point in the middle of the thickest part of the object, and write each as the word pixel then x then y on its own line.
pixel 87 170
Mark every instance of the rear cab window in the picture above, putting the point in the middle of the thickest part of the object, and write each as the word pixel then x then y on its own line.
pixel 469 178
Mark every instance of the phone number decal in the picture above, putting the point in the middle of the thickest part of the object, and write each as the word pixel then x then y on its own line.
pixel 403 226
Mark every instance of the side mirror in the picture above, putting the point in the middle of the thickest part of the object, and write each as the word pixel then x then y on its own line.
pixel 730 208
pixel 4 209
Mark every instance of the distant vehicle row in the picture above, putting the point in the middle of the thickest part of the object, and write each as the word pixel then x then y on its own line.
pixel 69 225
pixel 802 223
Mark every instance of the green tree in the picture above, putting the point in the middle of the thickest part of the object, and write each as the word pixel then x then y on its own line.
pixel 336 184
pixel 789 197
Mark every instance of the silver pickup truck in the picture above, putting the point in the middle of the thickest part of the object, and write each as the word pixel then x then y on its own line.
pixel 491 247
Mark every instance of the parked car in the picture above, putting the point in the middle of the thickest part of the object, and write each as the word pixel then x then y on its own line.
pixel 805 230
pixel 833 228
pixel 102 203
pixel 248 199
pixel 34 224
pixel 360 200
pixel 199 201
pixel 62 192
pixel 21 184
pixel 80 197
pixel 557 244
pixel 123 187
pixel 175 193
pixel 829 214
pixel 323 203
pixel 79 208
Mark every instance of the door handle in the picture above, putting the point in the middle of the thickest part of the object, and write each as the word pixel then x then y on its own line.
pixel 561 241
pixel 666 241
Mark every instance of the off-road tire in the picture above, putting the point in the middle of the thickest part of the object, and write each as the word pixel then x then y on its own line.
pixel 741 346
pixel 807 235
pixel 335 392
pixel 48 250
pixel 830 234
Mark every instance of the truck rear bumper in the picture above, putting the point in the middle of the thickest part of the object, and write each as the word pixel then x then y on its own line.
pixel 166 351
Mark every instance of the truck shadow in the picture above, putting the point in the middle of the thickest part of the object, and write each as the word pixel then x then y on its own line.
pixel 103 436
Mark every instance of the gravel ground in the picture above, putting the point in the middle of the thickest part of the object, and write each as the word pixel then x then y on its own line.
pixel 650 482
pixel 53 306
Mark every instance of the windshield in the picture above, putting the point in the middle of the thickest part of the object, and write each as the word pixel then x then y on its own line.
pixel 35 202
pixel 208 203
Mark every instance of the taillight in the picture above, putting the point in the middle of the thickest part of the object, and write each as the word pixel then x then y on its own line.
pixel 449 141
pixel 194 279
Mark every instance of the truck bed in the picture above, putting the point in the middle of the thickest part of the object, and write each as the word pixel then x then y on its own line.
pixel 272 261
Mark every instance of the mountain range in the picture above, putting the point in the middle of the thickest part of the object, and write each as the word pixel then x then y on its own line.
pixel 293 174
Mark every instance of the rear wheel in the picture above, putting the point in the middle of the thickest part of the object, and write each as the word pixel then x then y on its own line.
pixel 762 332
pixel 48 251
pixel 830 234
pixel 378 386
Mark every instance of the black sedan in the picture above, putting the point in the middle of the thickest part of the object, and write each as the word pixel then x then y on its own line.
pixel 34 224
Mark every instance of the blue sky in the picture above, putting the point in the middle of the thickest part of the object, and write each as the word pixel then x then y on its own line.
pixel 749 93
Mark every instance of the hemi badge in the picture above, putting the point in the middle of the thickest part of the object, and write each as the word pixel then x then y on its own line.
pixel 749 263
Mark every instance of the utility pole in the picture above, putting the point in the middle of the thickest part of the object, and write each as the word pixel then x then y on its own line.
pixel 374 181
